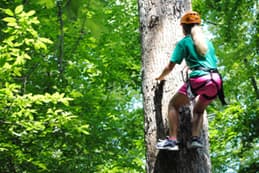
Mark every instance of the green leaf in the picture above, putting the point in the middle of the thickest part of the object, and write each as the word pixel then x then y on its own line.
pixel 40 165
pixel 9 12
pixel 17 70
pixel 3 149
pixel 30 13
pixel 34 20
pixel 84 129
pixel 45 40
pixel 18 9
pixel 9 19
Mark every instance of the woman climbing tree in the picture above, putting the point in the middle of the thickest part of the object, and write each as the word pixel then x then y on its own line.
pixel 204 82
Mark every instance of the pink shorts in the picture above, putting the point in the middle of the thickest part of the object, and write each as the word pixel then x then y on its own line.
pixel 210 89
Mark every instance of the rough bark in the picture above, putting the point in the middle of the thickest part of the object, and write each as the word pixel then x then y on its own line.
pixel 160 31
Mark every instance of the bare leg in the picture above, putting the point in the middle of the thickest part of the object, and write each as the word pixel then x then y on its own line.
pixel 197 120
pixel 176 102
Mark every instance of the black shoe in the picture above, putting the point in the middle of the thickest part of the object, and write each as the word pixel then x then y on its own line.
pixel 167 144
pixel 196 142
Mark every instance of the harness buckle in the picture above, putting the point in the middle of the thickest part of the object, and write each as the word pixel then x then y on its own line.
pixel 189 92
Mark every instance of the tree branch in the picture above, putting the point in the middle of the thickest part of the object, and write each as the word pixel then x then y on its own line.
pixel 81 31
pixel 253 81
pixel 61 38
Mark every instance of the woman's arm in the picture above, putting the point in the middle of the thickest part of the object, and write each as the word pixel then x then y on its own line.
pixel 166 71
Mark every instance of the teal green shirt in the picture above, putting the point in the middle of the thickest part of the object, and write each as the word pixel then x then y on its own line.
pixel 185 49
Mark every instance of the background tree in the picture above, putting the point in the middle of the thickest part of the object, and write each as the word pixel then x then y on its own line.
pixel 28 119
pixel 94 124
pixel 160 29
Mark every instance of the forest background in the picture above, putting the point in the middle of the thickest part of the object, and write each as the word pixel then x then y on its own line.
pixel 70 86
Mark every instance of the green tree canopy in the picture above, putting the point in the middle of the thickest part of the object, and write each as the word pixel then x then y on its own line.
pixel 70 87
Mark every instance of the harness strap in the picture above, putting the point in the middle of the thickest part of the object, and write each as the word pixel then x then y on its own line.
pixel 210 70
pixel 221 94
pixel 220 90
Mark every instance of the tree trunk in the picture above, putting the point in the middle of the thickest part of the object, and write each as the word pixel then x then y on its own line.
pixel 160 30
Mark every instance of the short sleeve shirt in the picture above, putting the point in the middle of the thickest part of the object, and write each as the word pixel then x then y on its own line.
pixel 185 49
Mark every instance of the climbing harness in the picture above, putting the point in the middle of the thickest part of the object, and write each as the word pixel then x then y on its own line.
pixel 191 92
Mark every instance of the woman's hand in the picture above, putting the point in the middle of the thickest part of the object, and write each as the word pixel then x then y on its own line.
pixel 160 78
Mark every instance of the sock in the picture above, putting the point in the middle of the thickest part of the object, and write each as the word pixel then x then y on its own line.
pixel 173 138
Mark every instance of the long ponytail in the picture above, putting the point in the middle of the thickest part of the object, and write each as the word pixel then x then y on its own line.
pixel 199 40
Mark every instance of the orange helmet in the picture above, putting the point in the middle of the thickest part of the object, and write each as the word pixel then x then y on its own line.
pixel 191 17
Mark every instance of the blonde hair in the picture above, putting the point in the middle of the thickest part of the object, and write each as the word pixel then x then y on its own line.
pixel 199 40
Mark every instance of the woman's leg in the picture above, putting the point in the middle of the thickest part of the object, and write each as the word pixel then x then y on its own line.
pixel 176 102
pixel 197 120
pixel 210 90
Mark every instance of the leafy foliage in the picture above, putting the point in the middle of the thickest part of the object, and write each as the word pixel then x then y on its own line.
pixel 31 123
pixel 85 118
